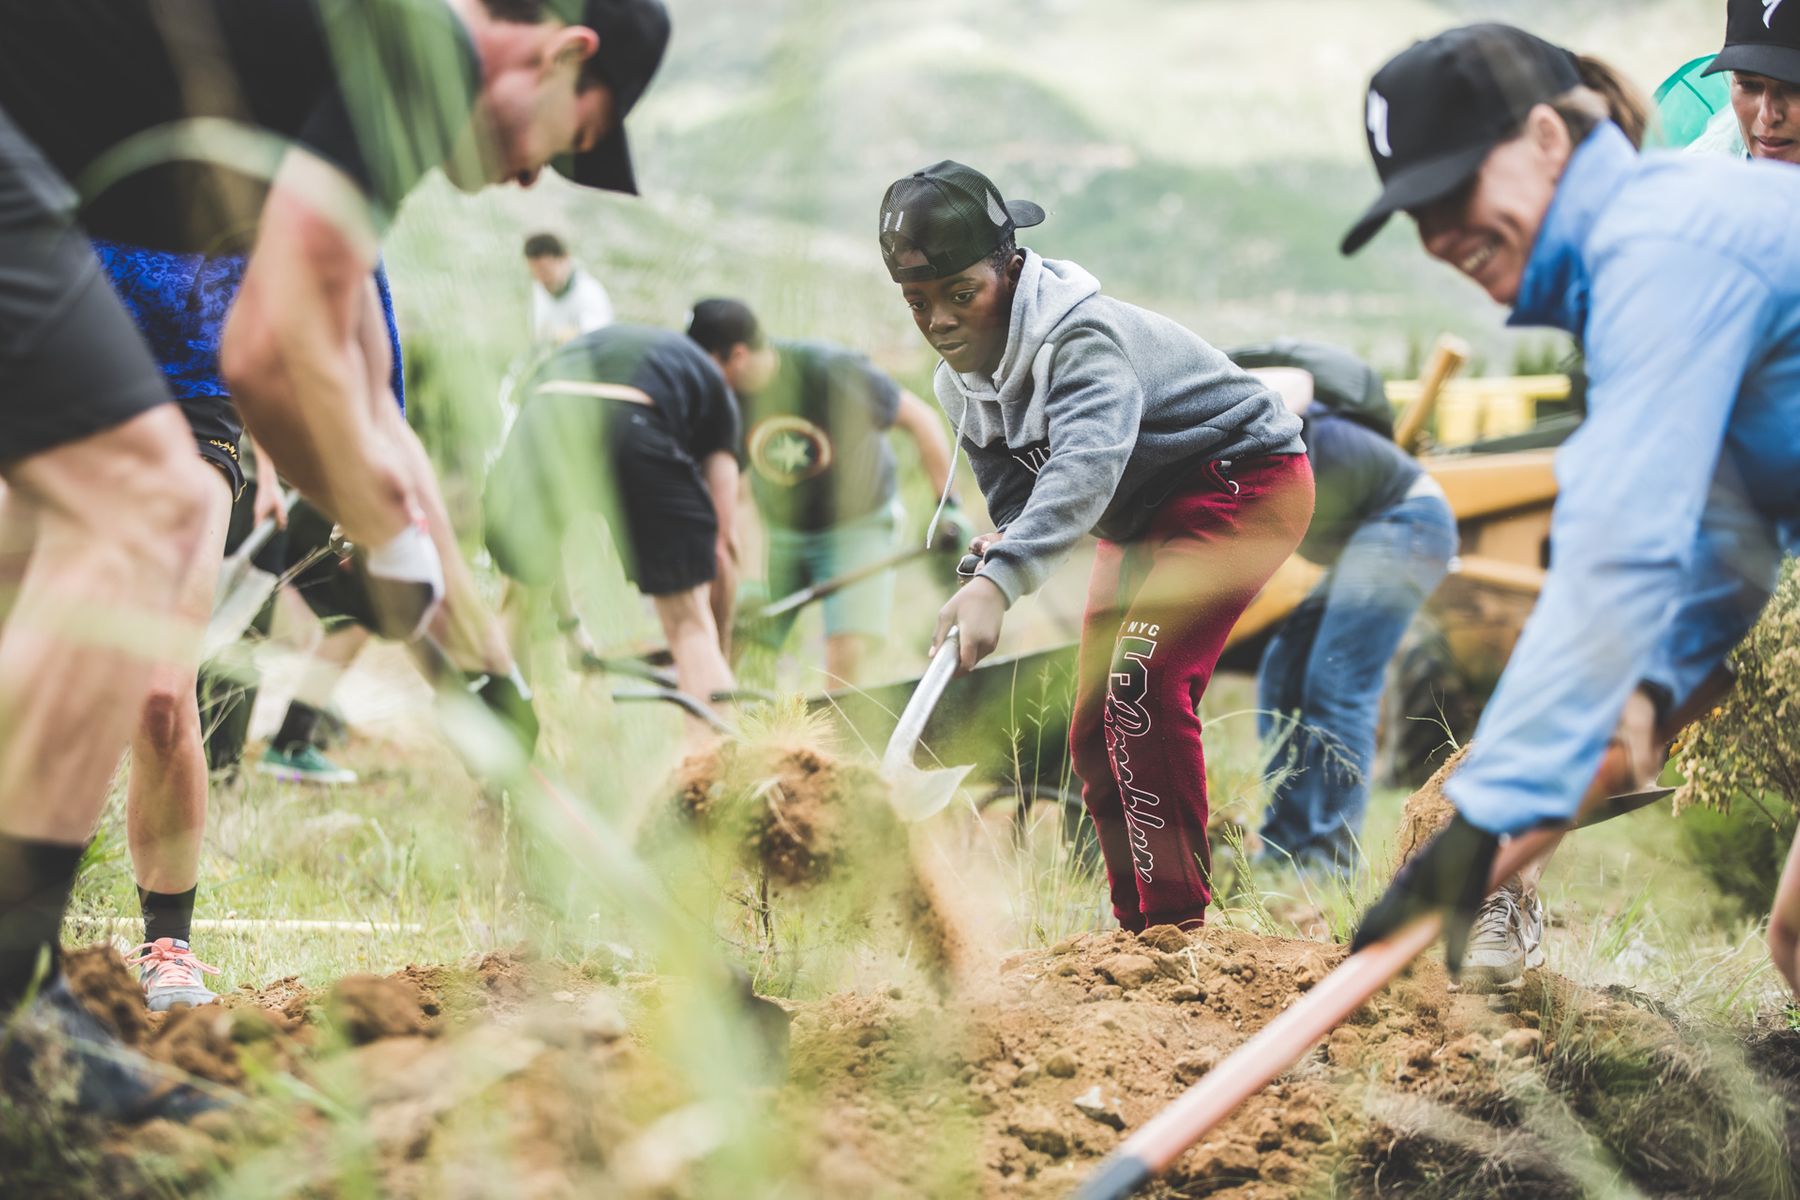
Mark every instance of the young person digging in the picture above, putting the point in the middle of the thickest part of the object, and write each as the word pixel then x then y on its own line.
pixel 1081 413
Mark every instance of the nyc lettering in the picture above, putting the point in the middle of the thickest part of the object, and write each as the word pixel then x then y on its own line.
pixel 1127 718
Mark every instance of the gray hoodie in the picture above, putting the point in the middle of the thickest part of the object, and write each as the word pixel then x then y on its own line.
pixel 1098 410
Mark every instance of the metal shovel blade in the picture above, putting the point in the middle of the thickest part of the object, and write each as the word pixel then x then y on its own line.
pixel 919 793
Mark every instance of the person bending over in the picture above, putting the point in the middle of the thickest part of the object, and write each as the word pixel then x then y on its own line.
pixel 822 472
pixel 1081 413
pixel 1384 531
pixel 1679 275
pixel 106 505
pixel 635 424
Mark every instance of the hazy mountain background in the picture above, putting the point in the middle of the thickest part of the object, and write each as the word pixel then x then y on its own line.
pixel 1202 157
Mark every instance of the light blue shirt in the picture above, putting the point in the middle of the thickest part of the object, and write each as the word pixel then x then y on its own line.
pixel 1681 277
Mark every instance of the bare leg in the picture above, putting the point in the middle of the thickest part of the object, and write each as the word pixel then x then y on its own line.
pixel 165 810
pixel 328 662
pixel 118 518
pixel 700 666
pixel 844 654
pixel 18 529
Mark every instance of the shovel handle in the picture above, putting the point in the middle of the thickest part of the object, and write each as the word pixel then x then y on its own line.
pixel 1286 1039
pixel 925 696
pixel 829 587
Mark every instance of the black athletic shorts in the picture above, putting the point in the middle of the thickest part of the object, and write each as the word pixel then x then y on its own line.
pixel 71 362
pixel 572 454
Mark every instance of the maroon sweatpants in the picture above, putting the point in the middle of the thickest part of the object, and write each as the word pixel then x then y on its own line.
pixel 1159 608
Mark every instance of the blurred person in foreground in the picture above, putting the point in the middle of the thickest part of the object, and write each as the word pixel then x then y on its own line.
pixel 1507 939
pixel 1679 276
pixel 566 301
pixel 634 424
pixel 1384 531
pixel 822 471
pixel 280 126
pixel 1083 414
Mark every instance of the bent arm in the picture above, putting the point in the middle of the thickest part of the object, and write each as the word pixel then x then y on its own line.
pixel 471 634
pixel 1672 333
pixel 293 353
pixel 1095 405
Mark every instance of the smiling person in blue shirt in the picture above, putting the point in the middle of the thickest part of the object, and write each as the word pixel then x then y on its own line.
pixel 1679 277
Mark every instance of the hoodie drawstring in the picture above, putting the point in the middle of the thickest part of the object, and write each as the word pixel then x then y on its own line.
pixel 949 479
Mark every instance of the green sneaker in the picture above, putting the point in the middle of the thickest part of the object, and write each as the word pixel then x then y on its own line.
pixel 303 764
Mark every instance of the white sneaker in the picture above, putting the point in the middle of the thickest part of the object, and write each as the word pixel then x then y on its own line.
pixel 171 975
pixel 1507 941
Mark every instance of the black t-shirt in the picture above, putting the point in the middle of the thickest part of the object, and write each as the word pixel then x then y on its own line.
pixel 169 116
pixel 690 394
pixel 815 438
pixel 1356 474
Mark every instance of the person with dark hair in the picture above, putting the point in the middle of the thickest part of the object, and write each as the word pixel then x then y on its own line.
pixel 1508 934
pixel 566 301
pixel 635 424
pixel 1384 530
pixel 1081 413
pixel 1679 278
pixel 821 470
pixel 1762 52
pixel 292 129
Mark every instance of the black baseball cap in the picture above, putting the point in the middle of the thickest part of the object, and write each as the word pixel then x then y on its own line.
pixel 1761 37
pixel 938 221
pixel 633 36
pixel 1437 108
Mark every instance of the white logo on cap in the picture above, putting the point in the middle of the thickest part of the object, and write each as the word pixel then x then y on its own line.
pixel 891 220
pixel 1769 7
pixel 1378 121
pixel 996 210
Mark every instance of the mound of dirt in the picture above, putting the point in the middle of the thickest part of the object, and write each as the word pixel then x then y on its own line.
pixel 1427 810
pixel 792 808
pixel 104 984
pixel 1017 1089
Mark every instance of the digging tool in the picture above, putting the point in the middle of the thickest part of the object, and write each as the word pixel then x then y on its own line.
pixel 1286 1039
pixel 836 583
pixel 1447 358
pixel 680 699
pixel 745 626
pixel 243 588
pixel 493 757
pixel 920 793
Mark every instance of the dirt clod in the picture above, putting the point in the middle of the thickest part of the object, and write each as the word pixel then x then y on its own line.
pixel 1129 970
pixel 1096 1106
pixel 199 1041
pixel 104 985
pixel 370 1007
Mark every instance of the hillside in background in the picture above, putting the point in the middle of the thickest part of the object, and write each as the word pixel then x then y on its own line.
pixel 1200 156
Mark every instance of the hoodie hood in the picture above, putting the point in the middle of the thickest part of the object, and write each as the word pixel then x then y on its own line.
pixel 1048 292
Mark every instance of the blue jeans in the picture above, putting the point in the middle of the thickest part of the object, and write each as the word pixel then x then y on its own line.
pixel 1319 685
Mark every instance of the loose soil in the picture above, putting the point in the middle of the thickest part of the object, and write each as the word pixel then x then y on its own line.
pixel 456 1076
